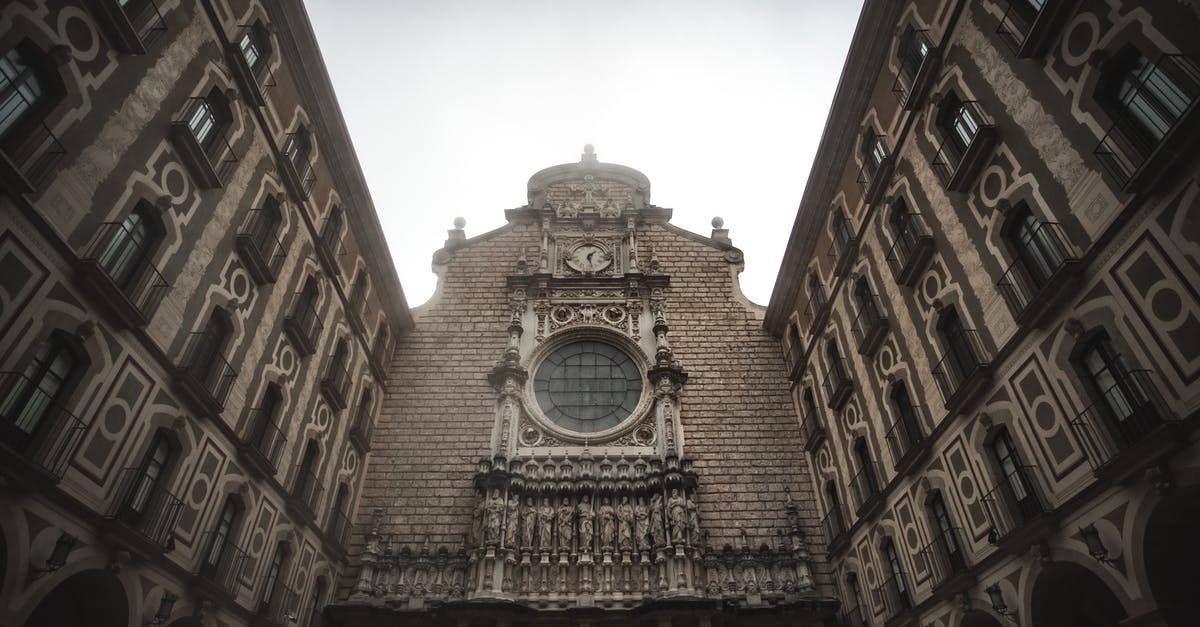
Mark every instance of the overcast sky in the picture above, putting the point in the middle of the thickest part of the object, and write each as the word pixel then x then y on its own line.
pixel 452 105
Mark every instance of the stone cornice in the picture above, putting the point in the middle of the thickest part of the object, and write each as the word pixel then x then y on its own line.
pixel 872 39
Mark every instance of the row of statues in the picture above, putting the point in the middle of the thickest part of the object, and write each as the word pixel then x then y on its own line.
pixel 622 523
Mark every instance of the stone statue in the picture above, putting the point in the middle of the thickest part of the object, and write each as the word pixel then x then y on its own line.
pixel 477 521
pixel 528 523
pixel 566 524
pixel 625 525
pixel 657 537
pixel 693 519
pixel 546 525
pixel 608 528
pixel 586 516
pixel 495 516
pixel 513 518
pixel 677 509
pixel 641 526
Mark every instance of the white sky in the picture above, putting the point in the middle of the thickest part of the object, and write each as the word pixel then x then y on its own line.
pixel 454 104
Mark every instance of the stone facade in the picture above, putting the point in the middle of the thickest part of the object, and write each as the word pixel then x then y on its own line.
pixel 989 311
pixel 478 500
pixel 183 430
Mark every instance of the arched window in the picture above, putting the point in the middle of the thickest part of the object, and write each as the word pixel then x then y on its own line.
pixel 810 405
pixel 363 422
pixel 865 482
pixel 267 437
pixel 1145 99
pixel 843 233
pixel 815 312
pixel 143 490
pixel 960 359
pixel 337 364
pixel 317 602
pixel 208 351
pixel 297 148
pixel 29 89
pixel 218 553
pixel 837 369
pixel 895 589
pixel 854 591
pixel 1016 489
pixel 339 520
pixel 31 396
pixel 306 302
pixel 381 345
pixel 331 232
pixel 958 124
pixel 1035 245
pixel 263 228
pixel 130 244
pixel 865 300
pixel 908 425
pixel 1123 396
pixel 794 347
pixel 209 118
pixel 255 45
pixel 272 588
pixel 948 552
pixel 836 525
pixel 872 151
pixel 306 485
pixel 913 49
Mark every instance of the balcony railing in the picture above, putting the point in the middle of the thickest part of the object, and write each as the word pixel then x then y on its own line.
pixel 303 325
pixel 36 427
pixel 312 617
pixel 865 489
pixel 306 492
pixel 379 360
pixel 210 163
pixel 361 431
pixel 836 528
pixel 813 431
pixel 905 440
pixel 330 248
pixel 339 528
pixel 944 556
pixel 895 596
pixel 259 245
pixel 817 310
pixel 869 326
pixel 916 72
pixel 1145 136
pixel 960 372
pixel 221 562
pixel 144 507
pixel 873 177
pixel 131 26
pixel 205 374
pixel 255 81
pixel 27 160
pixel 266 440
pixel 1012 503
pixel 118 269
pixel 1028 29
pixel 336 386
pixel 299 177
pixel 1128 413
pixel 911 250
pixel 957 165
pixel 1029 285
pixel 855 617
pixel 278 606
pixel 837 384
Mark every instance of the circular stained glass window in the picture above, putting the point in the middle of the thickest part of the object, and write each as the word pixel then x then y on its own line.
pixel 587 386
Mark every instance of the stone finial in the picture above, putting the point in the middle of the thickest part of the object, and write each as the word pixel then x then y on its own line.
pixel 456 236
pixel 460 222
pixel 719 233
pixel 589 154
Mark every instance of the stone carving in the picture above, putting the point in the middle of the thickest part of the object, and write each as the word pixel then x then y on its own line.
pixel 586 518
pixel 566 524
pixel 528 524
pixel 641 526
pixel 625 525
pixel 693 519
pixel 495 517
pixel 677 509
pixel 657 524
pixel 546 525
pixel 513 518
pixel 608 529
pixel 478 516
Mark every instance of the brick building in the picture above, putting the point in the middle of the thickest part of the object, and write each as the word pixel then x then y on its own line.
pixel 988 305
pixel 195 302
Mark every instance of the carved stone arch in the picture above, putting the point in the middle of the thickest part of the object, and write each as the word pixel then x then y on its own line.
pixel 1138 33
pixel 255 11
pixel 269 186
pixel 64 92
pixel 216 74
pixel 300 119
pixel 950 80
pixel 225 487
pixel 323 208
pixel 933 483
pixel 1074 555
pixel 909 18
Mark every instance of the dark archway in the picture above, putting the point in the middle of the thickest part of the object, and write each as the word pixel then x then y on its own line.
pixel 1057 594
pixel 1172 553
pixel 978 618
pixel 92 598
pixel 187 621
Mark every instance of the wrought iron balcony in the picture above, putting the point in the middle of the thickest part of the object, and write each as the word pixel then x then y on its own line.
pixel 339 528
pixel 817 310
pixel 873 178
pixel 132 27
pixel 221 562
pixel 277 604
pixel 955 165
pixel 910 252
pixel 330 248
pixel 335 386
pixel 265 442
pixel 211 163
pixel 1011 505
pixel 299 177
pixel 960 374
pixel 856 617
pixel 916 72
pixel 41 434
pixel 837 531
pixel 1028 28
pixel 838 385
pixel 866 490
pixel 204 374
pixel 259 246
pixel 1157 120
pixel 303 326
pixel 945 557
pixel 895 596
pixel 145 510
pixel 118 270
pixel 306 493
pixel 870 325
pixel 1032 283
pixel 28 158
pixel 254 81
pixel 906 441
pixel 379 360
pixel 1126 424
pixel 813 431
pixel 361 431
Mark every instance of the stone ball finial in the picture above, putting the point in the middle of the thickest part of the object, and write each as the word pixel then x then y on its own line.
pixel 589 149
pixel 460 222
pixel 718 222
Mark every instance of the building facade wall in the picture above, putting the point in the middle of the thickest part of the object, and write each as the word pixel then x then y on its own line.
pixel 1129 264
pixel 129 78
